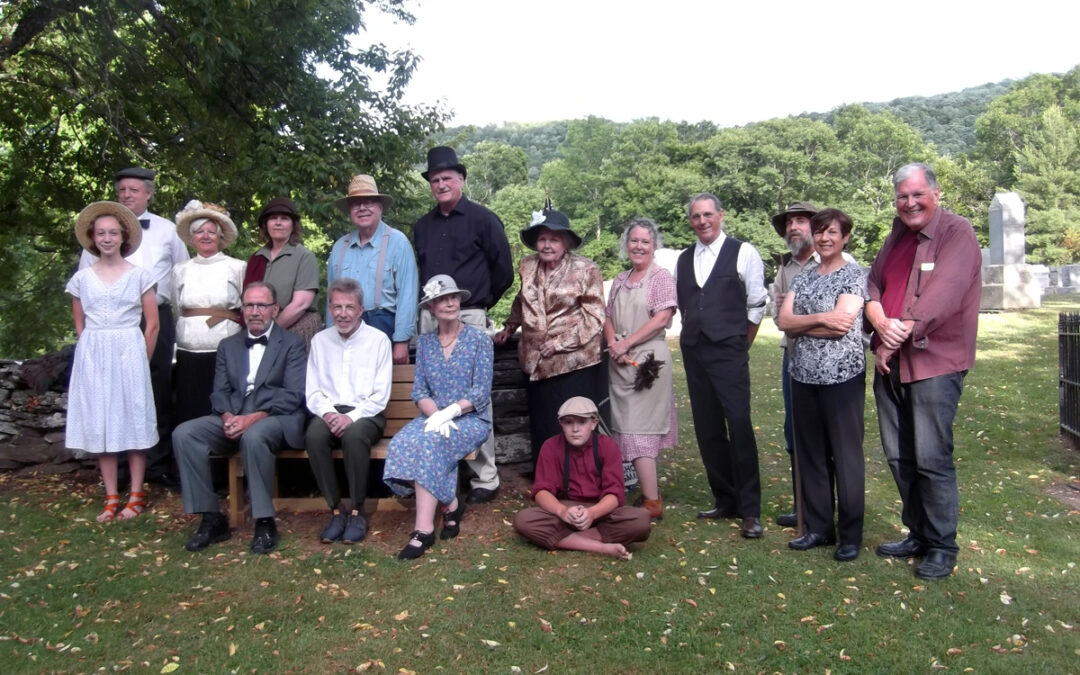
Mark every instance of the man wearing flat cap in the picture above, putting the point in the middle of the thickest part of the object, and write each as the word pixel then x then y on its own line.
pixel 381 259
pixel 160 251
pixel 466 241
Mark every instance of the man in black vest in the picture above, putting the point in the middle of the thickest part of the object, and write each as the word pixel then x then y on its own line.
pixel 721 287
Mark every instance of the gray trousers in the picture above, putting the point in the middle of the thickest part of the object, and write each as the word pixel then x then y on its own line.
pixel 197 440
pixel 485 473
pixel 355 446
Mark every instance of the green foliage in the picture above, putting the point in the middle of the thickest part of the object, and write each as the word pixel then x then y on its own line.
pixel 492 166
pixel 223 98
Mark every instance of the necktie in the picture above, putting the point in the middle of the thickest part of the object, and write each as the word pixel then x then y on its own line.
pixel 250 341
pixel 145 222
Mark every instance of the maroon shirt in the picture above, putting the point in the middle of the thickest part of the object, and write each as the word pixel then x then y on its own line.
pixel 586 484
pixel 942 295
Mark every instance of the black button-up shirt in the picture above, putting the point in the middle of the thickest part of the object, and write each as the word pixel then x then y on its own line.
pixel 470 245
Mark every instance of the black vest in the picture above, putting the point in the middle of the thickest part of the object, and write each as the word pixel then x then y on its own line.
pixel 717 311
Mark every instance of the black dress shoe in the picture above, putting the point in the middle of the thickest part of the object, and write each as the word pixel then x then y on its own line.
pixel 266 536
pixel 717 512
pixel 809 541
pixel 905 548
pixel 751 528
pixel 481 495
pixel 452 521
pixel 213 528
pixel 846 552
pixel 788 519
pixel 937 565
pixel 411 551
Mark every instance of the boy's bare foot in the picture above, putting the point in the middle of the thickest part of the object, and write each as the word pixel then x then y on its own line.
pixel 615 551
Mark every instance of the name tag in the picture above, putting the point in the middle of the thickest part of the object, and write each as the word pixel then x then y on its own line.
pixel 927 267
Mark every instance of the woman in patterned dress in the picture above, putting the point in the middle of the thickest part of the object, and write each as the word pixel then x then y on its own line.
pixel 822 316
pixel 206 293
pixel 452 387
pixel 110 400
pixel 640 306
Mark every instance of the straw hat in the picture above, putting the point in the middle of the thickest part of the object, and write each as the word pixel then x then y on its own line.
pixel 198 211
pixel 363 185
pixel 122 213
pixel 440 285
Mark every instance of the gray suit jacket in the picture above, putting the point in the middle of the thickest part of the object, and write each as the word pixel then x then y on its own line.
pixel 279 384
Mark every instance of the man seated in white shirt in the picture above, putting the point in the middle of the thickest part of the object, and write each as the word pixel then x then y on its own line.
pixel 349 371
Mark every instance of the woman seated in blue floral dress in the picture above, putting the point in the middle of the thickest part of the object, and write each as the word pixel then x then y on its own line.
pixel 452 387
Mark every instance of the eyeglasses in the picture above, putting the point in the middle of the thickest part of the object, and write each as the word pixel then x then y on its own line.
pixel 257 306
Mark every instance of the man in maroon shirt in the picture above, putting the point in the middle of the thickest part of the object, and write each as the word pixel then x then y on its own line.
pixel 925 286
pixel 578 490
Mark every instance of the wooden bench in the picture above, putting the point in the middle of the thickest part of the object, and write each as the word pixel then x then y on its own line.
pixel 399 411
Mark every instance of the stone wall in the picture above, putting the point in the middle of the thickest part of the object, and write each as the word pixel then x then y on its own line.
pixel 32 419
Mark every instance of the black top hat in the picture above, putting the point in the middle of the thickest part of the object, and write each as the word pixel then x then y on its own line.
pixel 135 172
pixel 442 157
pixel 549 219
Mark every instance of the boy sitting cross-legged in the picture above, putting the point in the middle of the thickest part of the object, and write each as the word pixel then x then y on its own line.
pixel 578 490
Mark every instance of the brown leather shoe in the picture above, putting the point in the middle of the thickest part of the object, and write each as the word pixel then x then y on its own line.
pixel 751 528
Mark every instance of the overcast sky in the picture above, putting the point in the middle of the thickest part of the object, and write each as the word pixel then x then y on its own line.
pixel 495 61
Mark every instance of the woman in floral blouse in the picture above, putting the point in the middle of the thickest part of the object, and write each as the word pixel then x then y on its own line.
pixel 560 309
pixel 822 316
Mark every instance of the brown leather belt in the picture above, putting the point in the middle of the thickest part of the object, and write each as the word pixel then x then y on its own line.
pixel 216 314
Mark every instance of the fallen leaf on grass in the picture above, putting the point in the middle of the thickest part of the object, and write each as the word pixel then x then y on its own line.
pixel 490 643
pixel 169 667
pixel 954 651
pixel 232 649
pixel 844 656
pixel 401 617
pixel 545 625
pixel 1006 599
pixel 369 664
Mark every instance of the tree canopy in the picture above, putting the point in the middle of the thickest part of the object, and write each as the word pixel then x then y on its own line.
pixel 235 102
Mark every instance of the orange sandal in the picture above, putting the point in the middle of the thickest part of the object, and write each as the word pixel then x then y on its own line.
pixel 136 505
pixel 112 504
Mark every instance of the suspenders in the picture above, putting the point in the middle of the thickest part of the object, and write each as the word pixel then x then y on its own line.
pixel 565 492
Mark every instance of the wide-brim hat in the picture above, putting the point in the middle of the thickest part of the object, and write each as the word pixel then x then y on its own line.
pixel 443 157
pixel 194 210
pixel 578 406
pixel 439 286
pixel 123 214
pixel 279 206
pixel 549 219
pixel 363 185
pixel 779 221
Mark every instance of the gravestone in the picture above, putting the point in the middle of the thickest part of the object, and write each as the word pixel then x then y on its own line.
pixel 1008 283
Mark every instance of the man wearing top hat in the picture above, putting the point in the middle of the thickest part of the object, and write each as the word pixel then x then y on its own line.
pixel 160 251
pixel 381 259
pixel 466 241
pixel 721 289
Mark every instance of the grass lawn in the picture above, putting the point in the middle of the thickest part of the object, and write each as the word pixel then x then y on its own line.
pixel 78 596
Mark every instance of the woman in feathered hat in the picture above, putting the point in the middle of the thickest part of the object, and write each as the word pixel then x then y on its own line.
pixel 560 309
pixel 206 293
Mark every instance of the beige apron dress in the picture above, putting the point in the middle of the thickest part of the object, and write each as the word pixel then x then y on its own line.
pixel 647 411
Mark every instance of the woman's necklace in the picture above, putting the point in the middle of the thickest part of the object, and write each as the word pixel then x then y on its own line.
pixel 448 345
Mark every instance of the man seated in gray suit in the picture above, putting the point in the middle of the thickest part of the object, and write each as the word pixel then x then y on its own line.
pixel 258 404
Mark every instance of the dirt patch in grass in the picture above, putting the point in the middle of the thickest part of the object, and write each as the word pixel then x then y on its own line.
pixel 1067 493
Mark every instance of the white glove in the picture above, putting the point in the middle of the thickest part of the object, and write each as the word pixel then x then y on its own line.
pixel 445 428
pixel 441 419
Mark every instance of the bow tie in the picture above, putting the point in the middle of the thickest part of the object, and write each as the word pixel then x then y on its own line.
pixel 250 341
pixel 145 222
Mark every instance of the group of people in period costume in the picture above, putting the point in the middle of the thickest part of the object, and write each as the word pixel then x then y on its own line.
pixel 257 371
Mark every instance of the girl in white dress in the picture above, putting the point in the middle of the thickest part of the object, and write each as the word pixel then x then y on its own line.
pixel 110 400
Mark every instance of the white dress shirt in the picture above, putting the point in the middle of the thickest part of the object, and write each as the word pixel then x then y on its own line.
pixel 255 356
pixel 159 251
pixel 748 265
pixel 355 371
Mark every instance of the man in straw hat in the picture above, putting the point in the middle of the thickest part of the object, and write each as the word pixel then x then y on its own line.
pixel 466 241
pixel 720 282
pixel 381 259
pixel 160 251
